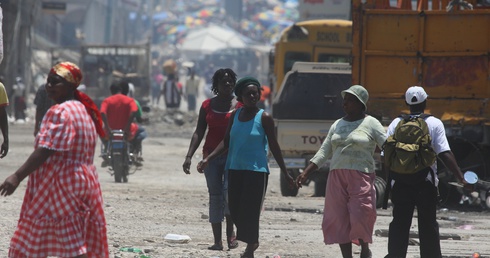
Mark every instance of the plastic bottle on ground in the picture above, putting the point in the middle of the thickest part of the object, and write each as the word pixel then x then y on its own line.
pixel 131 250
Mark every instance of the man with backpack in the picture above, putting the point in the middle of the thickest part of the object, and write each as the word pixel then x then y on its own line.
pixel 410 152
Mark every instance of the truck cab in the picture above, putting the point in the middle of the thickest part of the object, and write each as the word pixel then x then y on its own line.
pixel 305 107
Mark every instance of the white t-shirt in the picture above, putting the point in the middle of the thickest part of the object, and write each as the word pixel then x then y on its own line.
pixel 437 133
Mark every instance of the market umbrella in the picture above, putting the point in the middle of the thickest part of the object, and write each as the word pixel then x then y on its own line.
pixel 206 40
pixel 212 38
pixel 191 21
pixel 279 26
pixel 204 13
pixel 177 29
pixel 161 16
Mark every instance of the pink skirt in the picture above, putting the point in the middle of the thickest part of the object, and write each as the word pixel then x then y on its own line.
pixel 350 207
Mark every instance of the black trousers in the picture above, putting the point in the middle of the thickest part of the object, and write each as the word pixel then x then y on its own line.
pixel 246 191
pixel 405 198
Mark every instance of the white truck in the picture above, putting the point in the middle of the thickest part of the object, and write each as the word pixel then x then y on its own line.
pixel 305 107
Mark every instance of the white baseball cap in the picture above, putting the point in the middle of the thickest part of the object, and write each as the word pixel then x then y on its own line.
pixel 415 95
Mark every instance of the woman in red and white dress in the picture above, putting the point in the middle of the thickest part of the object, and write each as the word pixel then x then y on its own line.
pixel 62 213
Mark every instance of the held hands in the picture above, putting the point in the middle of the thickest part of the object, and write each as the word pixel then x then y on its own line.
pixel 8 187
pixel 289 178
pixel 301 179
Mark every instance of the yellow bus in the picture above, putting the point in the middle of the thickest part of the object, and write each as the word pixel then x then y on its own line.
pixel 310 41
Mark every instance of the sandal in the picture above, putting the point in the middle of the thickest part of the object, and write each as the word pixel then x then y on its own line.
pixel 232 242
pixel 216 247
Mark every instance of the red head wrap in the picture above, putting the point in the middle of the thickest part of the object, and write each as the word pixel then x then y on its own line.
pixel 72 74
pixel 68 71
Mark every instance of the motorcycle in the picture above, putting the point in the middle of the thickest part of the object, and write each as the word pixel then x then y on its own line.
pixel 121 159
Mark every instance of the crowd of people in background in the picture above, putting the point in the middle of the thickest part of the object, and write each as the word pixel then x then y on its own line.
pixel 262 20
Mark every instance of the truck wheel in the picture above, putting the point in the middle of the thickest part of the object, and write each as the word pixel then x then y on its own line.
pixel 380 186
pixel 285 190
pixel 125 176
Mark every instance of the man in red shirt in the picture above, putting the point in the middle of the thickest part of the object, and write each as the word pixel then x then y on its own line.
pixel 118 112
pixel 265 96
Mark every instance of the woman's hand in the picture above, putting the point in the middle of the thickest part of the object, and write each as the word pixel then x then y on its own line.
pixel 187 165
pixel 289 178
pixel 8 187
pixel 202 165
pixel 301 179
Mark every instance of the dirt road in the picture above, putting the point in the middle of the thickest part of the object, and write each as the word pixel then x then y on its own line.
pixel 160 199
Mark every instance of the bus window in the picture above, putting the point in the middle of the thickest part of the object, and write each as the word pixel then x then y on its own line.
pixel 292 57
pixel 333 58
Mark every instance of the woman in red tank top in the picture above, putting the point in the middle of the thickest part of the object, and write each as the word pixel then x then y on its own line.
pixel 213 116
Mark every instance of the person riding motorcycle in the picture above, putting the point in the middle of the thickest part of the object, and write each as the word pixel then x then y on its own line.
pixel 118 112
pixel 140 131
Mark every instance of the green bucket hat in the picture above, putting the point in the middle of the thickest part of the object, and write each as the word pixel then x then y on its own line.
pixel 360 92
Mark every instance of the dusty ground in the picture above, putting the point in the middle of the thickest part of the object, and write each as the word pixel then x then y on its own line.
pixel 160 199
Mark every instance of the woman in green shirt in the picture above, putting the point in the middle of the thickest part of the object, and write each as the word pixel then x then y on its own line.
pixel 350 198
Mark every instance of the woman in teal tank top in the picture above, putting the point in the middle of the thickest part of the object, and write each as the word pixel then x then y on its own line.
pixel 250 132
